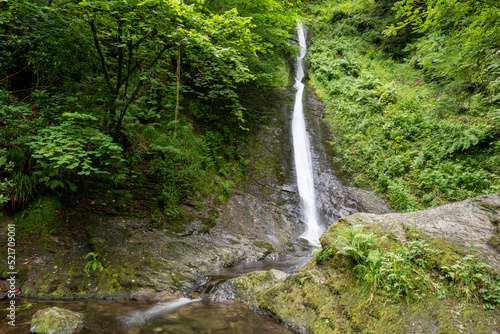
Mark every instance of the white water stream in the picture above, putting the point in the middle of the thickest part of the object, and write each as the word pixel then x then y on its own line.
pixel 141 317
pixel 302 154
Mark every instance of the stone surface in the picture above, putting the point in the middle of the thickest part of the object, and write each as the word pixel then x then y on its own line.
pixel 328 298
pixel 474 221
pixel 247 287
pixel 56 320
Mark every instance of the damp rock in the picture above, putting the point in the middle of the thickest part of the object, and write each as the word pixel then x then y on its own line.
pixel 55 320
pixel 247 287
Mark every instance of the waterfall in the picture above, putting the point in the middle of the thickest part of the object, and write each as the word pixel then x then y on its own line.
pixel 302 154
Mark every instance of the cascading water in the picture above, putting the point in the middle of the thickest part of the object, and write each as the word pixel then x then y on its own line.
pixel 302 154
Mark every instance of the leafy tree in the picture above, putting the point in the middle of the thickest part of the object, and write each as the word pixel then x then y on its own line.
pixel 461 43
pixel 272 19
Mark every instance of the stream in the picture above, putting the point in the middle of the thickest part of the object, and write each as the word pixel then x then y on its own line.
pixel 193 313
pixel 181 316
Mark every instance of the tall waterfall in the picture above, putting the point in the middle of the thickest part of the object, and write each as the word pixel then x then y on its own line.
pixel 302 154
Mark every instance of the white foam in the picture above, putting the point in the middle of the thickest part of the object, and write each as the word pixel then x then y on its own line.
pixel 140 317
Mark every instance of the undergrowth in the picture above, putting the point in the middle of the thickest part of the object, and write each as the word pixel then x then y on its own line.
pixel 406 269
pixel 420 141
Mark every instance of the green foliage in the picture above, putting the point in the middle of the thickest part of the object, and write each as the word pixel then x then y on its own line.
pixel 86 86
pixel 376 266
pixel 460 41
pixel 353 243
pixel 323 254
pixel 471 279
pixel 271 19
pixel 188 166
pixel 5 184
pixel 93 263
pixel 24 188
pixel 406 268
pixel 73 145
pixel 420 143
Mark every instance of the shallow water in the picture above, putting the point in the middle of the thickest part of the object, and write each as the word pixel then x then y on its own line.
pixel 289 265
pixel 181 316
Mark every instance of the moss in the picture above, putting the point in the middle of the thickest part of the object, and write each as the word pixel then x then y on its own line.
pixel 41 218
pixel 56 321
pixel 323 300
pixel 265 245
pixel 494 241
pixel 447 323
pixel 447 254
pixel 328 298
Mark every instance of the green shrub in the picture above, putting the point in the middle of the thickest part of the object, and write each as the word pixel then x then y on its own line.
pixel 93 263
pixel 74 145
pixel 472 279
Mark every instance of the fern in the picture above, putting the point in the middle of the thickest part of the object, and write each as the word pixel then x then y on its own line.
pixel 94 263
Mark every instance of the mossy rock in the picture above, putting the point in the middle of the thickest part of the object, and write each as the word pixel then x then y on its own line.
pixel 264 245
pixel 41 218
pixel 249 285
pixel 55 320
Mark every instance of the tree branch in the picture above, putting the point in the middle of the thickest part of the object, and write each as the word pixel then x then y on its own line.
pixel 120 57
pixel 138 88
pixel 101 55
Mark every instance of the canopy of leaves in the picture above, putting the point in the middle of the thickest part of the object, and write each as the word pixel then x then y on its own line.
pixel 79 79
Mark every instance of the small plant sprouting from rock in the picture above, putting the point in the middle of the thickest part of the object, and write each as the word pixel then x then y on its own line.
pixel 323 254
pixel 472 280
pixel 93 263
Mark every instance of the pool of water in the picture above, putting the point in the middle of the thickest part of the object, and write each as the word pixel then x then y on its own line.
pixel 181 316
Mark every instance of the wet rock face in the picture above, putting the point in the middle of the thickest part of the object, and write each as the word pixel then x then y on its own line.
pixel 473 221
pixel 140 262
pixel 247 230
pixel 334 199
pixel 56 320
pixel 247 287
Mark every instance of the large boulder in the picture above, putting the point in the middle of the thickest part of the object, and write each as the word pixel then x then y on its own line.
pixel 55 320
pixel 327 297
pixel 473 221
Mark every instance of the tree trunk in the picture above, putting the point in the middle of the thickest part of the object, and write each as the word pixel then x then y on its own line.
pixel 178 89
